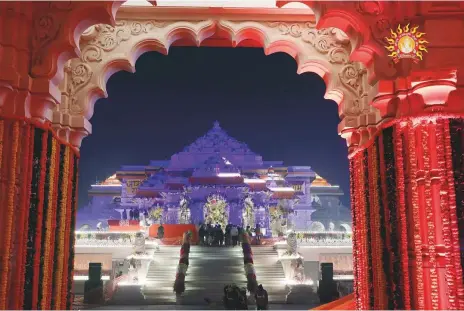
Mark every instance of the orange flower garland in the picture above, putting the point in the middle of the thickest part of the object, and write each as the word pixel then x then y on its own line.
pixel 413 189
pixel 376 241
pixel 48 246
pixel 355 230
pixel 8 224
pixel 72 237
pixel 403 236
pixel 39 219
pixel 25 177
pixel 63 207
pixel 430 217
pixel 445 216
pixel 455 247
pixel 67 235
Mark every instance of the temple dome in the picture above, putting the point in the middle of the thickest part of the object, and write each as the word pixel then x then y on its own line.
pixel 320 182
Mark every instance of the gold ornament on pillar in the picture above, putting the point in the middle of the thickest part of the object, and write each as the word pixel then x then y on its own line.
pixel 406 42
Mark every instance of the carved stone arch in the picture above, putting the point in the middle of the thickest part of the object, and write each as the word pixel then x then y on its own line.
pixel 107 49
pixel 325 52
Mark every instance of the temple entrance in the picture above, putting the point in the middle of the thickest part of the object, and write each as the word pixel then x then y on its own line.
pixel 402 119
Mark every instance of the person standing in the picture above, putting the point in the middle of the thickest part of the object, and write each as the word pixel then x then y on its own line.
pixel 258 234
pixel 201 234
pixel 234 235
pixel 161 232
pixel 221 235
pixel 261 297
pixel 227 236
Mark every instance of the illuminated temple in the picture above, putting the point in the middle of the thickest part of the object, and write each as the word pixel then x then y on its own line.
pixel 219 180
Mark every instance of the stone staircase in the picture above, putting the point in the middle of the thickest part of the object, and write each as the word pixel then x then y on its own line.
pixel 209 270
pixel 269 273
pixel 161 276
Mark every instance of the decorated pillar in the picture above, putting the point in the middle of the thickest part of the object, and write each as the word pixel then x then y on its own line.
pixel 406 194
pixel 39 202
pixel 38 168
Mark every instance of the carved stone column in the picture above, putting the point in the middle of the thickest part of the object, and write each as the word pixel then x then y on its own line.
pixel 406 185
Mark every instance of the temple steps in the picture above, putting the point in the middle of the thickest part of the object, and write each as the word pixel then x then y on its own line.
pixel 210 268
pixel 270 273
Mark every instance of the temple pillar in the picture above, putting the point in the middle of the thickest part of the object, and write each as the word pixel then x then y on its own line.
pixel 406 194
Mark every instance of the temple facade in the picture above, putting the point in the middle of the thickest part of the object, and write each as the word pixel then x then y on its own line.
pixel 219 180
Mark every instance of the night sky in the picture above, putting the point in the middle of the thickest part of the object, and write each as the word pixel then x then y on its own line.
pixel 172 100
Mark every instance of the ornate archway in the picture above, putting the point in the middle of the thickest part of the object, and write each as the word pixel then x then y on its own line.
pixel 106 49
pixel 403 125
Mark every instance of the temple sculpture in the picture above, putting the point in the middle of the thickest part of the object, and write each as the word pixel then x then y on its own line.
pixel 219 180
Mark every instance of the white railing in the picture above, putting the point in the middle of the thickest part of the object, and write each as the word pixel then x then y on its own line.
pixel 324 239
pixel 326 242
pixel 102 243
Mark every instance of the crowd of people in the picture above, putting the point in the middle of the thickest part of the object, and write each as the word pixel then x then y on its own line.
pixel 235 298
pixel 210 235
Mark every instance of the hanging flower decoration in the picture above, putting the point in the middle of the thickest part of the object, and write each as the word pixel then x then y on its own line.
pixel 182 267
pixel 275 213
pixel 250 272
pixel 156 213
pixel 249 215
pixel 184 212
pixel 216 211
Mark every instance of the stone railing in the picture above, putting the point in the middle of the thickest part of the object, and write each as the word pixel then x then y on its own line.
pixel 324 239
pixel 103 243
pixel 108 239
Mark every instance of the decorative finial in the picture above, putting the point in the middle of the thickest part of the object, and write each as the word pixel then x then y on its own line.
pixel 216 125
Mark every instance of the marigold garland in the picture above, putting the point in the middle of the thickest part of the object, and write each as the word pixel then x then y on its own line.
pixel 376 241
pixel 252 284
pixel 67 235
pixel 362 282
pixel 393 265
pixel 452 186
pixel 383 219
pixel 355 231
pixel 45 245
pixel 179 283
pixel 8 224
pixel 57 222
pixel 363 233
pixel 403 230
pixel 430 217
pixel 61 237
pixel 75 182
pixel 413 190
pixel 38 229
pixel 33 219
pixel 49 226
pixel 25 177
pixel 445 216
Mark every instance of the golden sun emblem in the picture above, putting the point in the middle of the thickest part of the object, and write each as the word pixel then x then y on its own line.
pixel 406 43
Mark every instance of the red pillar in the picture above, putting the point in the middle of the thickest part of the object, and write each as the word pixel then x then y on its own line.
pixel 407 202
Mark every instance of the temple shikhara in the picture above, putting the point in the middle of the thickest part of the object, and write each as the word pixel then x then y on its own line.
pixel 219 180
